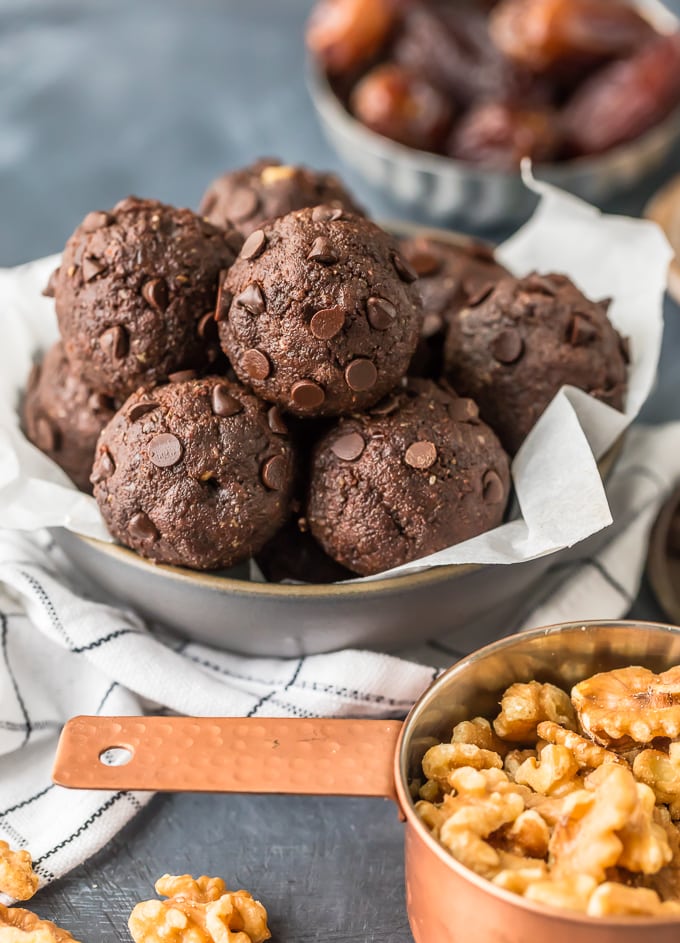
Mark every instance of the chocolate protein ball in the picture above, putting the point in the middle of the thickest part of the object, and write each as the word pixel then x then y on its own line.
pixel 196 474
pixel 515 346
pixel 318 314
pixel 135 291
pixel 293 555
pixel 63 416
pixel 420 473
pixel 267 189
pixel 449 275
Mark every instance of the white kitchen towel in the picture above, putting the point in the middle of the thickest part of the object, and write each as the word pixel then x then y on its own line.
pixel 64 653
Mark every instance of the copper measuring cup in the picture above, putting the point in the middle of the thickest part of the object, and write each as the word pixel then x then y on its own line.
pixel 446 902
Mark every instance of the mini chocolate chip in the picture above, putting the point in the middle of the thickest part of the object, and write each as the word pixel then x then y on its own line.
pixel 580 331
pixel 480 295
pixel 275 420
pixel 142 527
pixel 48 290
pixel 508 346
pixel 493 491
pixel 327 322
pixel 348 447
pixel 306 394
pixel 624 346
pixel 254 245
pixel 96 220
pixel 403 269
pixel 481 250
pixel 114 342
pixel 206 326
pixel 137 410
pixel 251 299
pixel 322 252
pixel 463 410
pixel 421 455
pixel 361 375
pixel 256 364
pixel 99 403
pixel 91 268
pixel 605 304
pixel 103 468
pixel 243 204
pixel 381 313
pixel 224 298
pixel 223 403
pixel 540 284
pixel 182 376
pixel 79 252
pixel 47 436
pixel 165 450
pixel 155 293
pixel 432 324
pixel 275 472
pixel 385 407
pixel 423 261
pixel 326 213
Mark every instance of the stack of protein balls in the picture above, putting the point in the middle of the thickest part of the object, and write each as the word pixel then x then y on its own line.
pixel 345 431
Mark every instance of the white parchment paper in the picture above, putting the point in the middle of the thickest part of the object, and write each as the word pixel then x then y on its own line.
pixel 557 482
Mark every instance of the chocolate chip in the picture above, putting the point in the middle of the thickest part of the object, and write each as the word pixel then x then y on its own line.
pixel 580 331
pixel 326 213
pixel 381 313
pixel 327 322
pixel 48 290
pixel 251 299
pixel 96 220
pixel 182 376
pixel 322 252
pixel 481 250
pixel 79 252
pixel 403 269
pixel 243 204
pixel 142 527
pixel 46 435
pixel 99 403
pixel 206 326
pixel 275 420
pixel 348 447
pixel 306 394
pixel 114 342
pixel 138 410
pixel 224 298
pixel 540 284
pixel 361 375
pixel 421 454
pixel 165 450
pixel 256 364
pixel 275 473
pixel 508 346
pixel 493 491
pixel 605 304
pixel 480 295
pixel 104 468
pixel 424 261
pixel 463 410
pixel 432 324
pixel 91 268
pixel 254 245
pixel 155 293
pixel 624 346
pixel 223 403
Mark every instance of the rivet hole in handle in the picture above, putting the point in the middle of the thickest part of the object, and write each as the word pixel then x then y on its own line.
pixel 229 754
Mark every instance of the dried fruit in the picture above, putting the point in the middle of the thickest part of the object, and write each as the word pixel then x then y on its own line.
pixel 499 135
pixel 622 100
pixel 343 34
pixel 400 105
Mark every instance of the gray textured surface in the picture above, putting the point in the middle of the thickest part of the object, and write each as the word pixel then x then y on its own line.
pixel 99 98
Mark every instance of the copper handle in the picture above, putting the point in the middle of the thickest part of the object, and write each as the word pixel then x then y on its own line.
pixel 231 754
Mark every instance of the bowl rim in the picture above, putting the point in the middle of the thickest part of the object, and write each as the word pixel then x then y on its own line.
pixel 407 806
pixel 332 110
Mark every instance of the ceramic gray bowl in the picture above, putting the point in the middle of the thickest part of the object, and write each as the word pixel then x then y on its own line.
pixel 439 189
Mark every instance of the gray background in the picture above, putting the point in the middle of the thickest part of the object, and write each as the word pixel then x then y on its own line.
pixel 100 98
